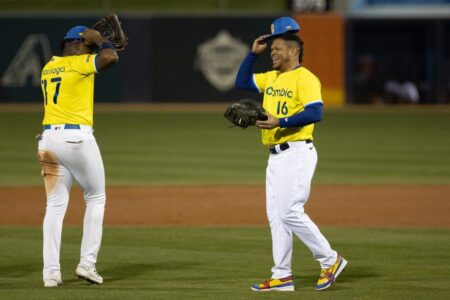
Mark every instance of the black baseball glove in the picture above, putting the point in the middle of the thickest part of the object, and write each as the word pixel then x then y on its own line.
pixel 109 26
pixel 245 112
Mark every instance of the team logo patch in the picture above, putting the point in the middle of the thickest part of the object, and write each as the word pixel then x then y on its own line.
pixel 219 59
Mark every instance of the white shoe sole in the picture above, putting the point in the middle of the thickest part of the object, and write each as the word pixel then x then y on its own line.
pixel 276 289
pixel 340 269
pixel 87 278
pixel 52 283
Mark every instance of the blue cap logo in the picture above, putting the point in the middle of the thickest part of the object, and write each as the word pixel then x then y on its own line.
pixel 74 32
pixel 283 25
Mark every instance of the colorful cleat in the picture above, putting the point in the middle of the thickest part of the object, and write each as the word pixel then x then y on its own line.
pixel 282 285
pixel 328 276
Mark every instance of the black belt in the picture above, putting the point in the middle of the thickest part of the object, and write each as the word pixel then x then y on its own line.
pixel 66 126
pixel 285 146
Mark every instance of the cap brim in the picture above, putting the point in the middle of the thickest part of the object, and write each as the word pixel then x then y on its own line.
pixel 270 37
pixel 273 36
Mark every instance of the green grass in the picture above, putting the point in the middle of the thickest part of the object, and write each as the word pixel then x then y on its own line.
pixel 147 148
pixel 222 263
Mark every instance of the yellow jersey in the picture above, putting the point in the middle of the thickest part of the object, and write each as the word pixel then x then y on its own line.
pixel 68 88
pixel 287 94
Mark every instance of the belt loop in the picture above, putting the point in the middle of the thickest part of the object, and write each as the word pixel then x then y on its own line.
pixel 277 149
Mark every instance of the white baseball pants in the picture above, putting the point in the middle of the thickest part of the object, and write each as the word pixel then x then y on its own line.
pixel 288 182
pixel 67 154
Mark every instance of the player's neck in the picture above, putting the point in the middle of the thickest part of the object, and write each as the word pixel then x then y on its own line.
pixel 70 51
pixel 290 67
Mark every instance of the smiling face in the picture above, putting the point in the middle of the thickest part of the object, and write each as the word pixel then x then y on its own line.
pixel 284 55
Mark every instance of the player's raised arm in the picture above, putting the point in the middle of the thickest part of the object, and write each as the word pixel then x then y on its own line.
pixel 107 55
pixel 244 78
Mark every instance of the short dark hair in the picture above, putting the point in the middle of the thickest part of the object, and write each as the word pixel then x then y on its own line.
pixel 293 37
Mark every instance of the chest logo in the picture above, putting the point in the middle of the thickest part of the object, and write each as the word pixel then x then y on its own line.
pixel 270 91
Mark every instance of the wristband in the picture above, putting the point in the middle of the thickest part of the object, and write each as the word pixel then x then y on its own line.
pixel 105 45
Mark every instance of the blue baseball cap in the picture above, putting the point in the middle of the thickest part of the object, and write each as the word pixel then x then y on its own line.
pixel 283 25
pixel 74 32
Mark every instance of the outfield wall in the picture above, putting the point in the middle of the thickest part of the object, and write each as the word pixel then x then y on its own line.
pixel 195 58
pixel 169 58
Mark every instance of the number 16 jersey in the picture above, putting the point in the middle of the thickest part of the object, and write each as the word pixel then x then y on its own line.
pixel 68 88
pixel 287 94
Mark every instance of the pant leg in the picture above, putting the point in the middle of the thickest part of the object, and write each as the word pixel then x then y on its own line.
pixel 58 182
pixel 294 171
pixel 87 168
pixel 281 235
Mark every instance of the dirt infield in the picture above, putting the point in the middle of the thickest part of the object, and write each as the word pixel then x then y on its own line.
pixel 333 205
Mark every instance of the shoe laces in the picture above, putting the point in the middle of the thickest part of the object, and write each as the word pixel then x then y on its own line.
pixel 90 268
pixel 94 269
pixel 266 283
pixel 325 273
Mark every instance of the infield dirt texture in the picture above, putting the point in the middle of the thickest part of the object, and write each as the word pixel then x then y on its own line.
pixel 381 194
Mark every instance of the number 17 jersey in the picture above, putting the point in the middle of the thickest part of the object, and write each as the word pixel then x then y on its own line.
pixel 68 88
pixel 287 94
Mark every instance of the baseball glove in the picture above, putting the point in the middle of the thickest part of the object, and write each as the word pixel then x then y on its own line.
pixel 244 113
pixel 109 26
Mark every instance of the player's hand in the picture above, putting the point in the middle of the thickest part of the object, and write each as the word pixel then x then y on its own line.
pixel 260 44
pixel 270 123
pixel 92 37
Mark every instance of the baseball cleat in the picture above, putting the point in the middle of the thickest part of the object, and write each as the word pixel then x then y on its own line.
pixel 88 273
pixel 53 280
pixel 282 285
pixel 328 276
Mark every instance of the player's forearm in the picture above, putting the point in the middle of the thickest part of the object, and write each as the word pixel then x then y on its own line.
pixel 106 57
pixel 311 114
pixel 244 78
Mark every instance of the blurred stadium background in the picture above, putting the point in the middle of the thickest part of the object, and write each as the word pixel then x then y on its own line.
pixel 381 190
pixel 363 51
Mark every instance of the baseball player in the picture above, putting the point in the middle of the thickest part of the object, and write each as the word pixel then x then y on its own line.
pixel 293 103
pixel 68 150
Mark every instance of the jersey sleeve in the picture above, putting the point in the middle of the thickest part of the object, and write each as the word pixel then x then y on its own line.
pixel 309 90
pixel 85 64
pixel 260 80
